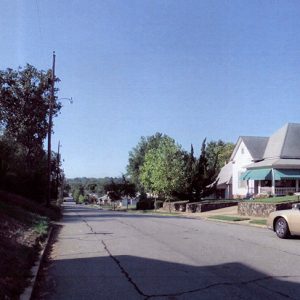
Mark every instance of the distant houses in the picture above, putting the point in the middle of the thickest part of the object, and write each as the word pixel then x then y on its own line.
pixel 263 165
pixel 123 202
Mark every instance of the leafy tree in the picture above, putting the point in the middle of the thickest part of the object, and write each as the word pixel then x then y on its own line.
pixel 24 102
pixel 81 199
pixel 218 153
pixel 113 190
pixel 162 171
pixel 128 189
pixel 137 156
pixel 77 192
pixel 67 189
pixel 92 187
pixel 201 173
pixel 24 96
pixel 204 174
pixel 118 190
pixel 189 173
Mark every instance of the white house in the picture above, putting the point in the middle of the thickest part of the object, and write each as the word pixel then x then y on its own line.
pixel 128 201
pixel 263 165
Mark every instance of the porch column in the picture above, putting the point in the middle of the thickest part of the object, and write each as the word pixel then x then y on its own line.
pixel 259 186
pixel 297 185
pixel 273 182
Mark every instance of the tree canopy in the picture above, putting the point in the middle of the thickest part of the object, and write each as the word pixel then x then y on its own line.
pixel 137 156
pixel 160 166
pixel 162 170
pixel 24 103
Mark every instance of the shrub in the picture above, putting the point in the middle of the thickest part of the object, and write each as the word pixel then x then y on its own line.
pixel 261 196
pixel 145 204
pixel 81 199
pixel 159 204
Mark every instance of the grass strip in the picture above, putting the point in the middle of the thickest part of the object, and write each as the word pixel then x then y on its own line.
pixel 283 199
pixel 41 226
pixel 228 218
pixel 153 212
pixel 259 222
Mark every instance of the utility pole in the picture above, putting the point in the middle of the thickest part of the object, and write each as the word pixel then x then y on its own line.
pixel 57 167
pixel 51 103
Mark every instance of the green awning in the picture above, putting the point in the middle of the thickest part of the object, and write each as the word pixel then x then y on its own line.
pixel 286 174
pixel 258 174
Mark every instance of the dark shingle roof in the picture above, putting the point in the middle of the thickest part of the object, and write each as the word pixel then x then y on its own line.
pixel 256 145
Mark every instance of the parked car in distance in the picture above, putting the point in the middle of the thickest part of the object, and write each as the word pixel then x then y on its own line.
pixel 285 222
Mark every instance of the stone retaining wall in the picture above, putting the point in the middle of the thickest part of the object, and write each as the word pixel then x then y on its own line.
pixel 258 209
pixel 202 207
pixel 175 206
pixel 185 206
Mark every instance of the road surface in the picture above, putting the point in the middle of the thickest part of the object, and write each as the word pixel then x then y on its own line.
pixel 114 255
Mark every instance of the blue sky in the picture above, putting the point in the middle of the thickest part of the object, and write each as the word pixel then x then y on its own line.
pixel 190 69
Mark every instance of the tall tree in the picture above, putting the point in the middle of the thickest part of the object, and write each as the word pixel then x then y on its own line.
pixel 137 156
pixel 163 170
pixel 24 108
pixel 201 172
pixel 24 96
pixel 218 153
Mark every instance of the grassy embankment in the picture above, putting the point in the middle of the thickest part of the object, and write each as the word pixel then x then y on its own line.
pixel 23 225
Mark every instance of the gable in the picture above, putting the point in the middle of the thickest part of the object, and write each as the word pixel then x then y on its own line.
pixel 255 145
pixel 284 143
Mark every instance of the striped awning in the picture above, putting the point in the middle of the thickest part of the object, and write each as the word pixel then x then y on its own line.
pixel 287 174
pixel 258 174
pixel 266 174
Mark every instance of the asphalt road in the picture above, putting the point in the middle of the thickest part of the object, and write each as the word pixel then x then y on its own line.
pixel 114 255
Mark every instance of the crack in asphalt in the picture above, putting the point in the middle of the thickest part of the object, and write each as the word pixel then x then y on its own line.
pixel 88 225
pixel 149 296
pixel 128 277
pixel 274 291
pixel 196 290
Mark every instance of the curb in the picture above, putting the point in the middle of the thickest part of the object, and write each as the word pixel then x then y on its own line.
pixel 26 295
pixel 237 222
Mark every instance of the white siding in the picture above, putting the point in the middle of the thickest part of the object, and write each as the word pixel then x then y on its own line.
pixel 241 159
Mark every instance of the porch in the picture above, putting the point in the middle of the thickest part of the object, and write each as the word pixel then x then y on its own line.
pixel 273 181
pixel 279 191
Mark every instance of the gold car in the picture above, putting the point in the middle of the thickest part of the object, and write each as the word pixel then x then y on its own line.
pixel 285 222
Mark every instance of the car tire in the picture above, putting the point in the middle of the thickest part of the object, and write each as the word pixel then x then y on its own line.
pixel 282 228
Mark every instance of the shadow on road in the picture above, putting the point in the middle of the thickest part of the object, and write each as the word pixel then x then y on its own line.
pixel 99 274
pixel 129 277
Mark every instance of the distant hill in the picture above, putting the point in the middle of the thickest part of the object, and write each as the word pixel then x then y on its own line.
pixel 91 184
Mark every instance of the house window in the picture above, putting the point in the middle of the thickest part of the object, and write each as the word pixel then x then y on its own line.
pixel 242 150
pixel 241 183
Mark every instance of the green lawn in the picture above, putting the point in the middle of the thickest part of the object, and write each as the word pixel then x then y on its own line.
pixel 275 199
pixel 228 218
pixel 259 222
pixel 153 212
